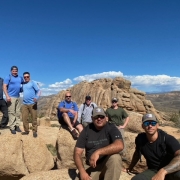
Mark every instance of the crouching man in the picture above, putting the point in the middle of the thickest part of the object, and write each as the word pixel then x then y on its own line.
pixel 102 142
pixel 161 151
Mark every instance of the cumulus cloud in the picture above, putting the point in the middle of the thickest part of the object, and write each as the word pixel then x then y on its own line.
pixel 146 83
pixel 91 77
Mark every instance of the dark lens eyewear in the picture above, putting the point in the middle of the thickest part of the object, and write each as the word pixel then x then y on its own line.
pixel 26 76
pixel 114 101
pixel 68 96
pixel 152 123
pixel 99 116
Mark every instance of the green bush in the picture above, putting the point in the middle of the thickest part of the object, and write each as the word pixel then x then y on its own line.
pixel 175 117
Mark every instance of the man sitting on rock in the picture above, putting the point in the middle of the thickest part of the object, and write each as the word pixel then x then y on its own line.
pixel 161 151
pixel 102 142
pixel 68 113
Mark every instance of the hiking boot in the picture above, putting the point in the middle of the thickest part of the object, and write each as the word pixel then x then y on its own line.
pixel 17 129
pixel 34 134
pixel 13 131
pixel 25 133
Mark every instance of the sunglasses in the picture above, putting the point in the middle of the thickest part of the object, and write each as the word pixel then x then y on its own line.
pixel 114 101
pixel 99 116
pixel 152 123
pixel 68 96
pixel 26 77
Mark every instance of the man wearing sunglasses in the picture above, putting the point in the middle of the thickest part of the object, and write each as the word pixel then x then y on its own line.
pixel 31 93
pixel 12 87
pixel 102 143
pixel 68 114
pixel 119 117
pixel 161 151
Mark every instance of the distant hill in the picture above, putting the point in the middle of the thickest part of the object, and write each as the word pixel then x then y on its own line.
pixel 166 102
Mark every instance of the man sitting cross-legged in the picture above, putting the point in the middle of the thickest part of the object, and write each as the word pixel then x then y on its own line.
pixel 102 143
pixel 68 113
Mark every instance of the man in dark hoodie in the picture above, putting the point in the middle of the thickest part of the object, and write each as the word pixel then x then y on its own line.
pixel 3 107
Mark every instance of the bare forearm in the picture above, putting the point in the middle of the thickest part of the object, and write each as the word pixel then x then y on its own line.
pixel 64 110
pixel 126 122
pixel 134 160
pixel 113 148
pixel 174 165
pixel 78 162
pixel 5 90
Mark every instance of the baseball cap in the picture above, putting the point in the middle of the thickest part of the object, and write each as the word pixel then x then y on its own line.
pixel 98 111
pixel 88 98
pixel 148 117
pixel 114 99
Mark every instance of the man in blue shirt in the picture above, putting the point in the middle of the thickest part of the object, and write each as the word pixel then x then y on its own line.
pixel 3 107
pixel 12 87
pixel 31 93
pixel 68 114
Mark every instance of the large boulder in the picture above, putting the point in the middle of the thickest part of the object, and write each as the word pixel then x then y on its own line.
pixel 21 155
pixel 65 149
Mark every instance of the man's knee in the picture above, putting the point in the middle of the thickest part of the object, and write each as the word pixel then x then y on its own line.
pixel 114 160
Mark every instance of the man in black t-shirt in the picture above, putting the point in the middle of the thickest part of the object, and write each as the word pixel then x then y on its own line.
pixel 161 151
pixel 102 143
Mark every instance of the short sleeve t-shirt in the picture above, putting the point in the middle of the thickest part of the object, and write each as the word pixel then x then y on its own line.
pixel 68 105
pixel 92 139
pixel 153 152
pixel 14 85
pixel 116 115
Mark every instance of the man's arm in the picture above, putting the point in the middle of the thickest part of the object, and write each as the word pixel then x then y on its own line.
pixel 134 161
pixel 113 148
pixel 80 113
pixel 78 161
pixel 173 166
pixel 125 123
pixel 6 93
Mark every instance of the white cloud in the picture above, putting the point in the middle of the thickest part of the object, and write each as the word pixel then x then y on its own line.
pixel 146 83
pixel 91 77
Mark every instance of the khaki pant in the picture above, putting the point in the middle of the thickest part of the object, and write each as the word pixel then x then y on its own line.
pixel 109 169
pixel 26 110
pixel 14 112
pixel 123 152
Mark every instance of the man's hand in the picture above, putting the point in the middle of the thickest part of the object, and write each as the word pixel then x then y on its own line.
pixel 72 111
pixel 120 127
pixel 93 159
pixel 73 123
pixel 35 100
pixel 160 175
pixel 8 99
pixel 85 176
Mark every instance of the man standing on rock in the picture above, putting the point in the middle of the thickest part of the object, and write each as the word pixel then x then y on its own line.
pixel 85 111
pixel 68 114
pixel 3 107
pixel 31 93
pixel 12 88
pixel 161 151
pixel 119 117
pixel 102 143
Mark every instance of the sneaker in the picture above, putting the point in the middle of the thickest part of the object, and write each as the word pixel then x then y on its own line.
pixel 17 129
pixel 34 134
pixel 74 133
pixel 25 133
pixel 13 131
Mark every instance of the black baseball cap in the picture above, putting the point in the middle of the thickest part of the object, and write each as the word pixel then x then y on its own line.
pixel 88 98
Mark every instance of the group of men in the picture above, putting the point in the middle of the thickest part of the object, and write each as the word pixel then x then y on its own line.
pixel 12 86
pixel 101 134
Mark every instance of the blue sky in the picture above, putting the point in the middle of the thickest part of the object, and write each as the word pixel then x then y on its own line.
pixel 64 42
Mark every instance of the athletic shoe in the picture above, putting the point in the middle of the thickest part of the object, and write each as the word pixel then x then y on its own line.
pixel 25 133
pixel 34 134
pixel 17 129
pixel 13 131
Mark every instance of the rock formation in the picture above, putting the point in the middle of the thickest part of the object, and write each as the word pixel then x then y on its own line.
pixel 102 91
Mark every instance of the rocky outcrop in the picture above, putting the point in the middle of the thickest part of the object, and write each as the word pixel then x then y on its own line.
pixel 102 91
pixel 21 155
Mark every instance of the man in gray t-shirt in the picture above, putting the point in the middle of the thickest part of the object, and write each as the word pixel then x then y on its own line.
pixel 85 111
